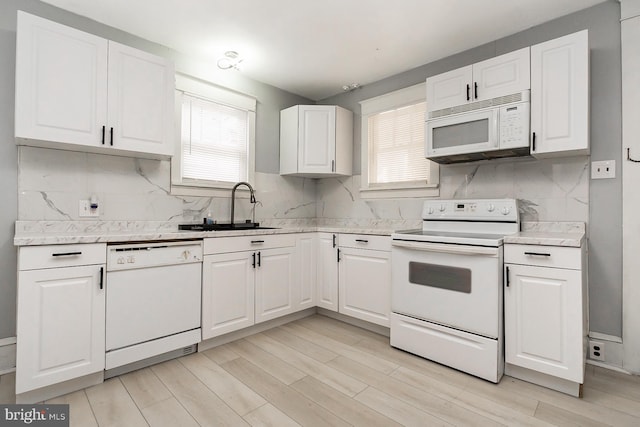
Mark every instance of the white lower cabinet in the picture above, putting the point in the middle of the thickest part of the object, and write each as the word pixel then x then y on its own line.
pixel 327 271
pixel 246 280
pixel 61 314
pixel 364 278
pixel 545 315
pixel 274 282
pixel 306 268
pixel 227 293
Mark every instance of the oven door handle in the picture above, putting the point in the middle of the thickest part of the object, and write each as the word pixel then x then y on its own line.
pixel 444 248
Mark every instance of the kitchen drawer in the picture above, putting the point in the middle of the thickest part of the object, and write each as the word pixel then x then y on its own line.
pixel 219 245
pixel 365 241
pixel 53 256
pixel 544 256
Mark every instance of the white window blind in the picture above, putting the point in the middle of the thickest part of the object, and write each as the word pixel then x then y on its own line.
pixel 215 141
pixel 396 146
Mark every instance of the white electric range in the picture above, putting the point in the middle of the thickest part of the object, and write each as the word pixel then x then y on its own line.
pixel 446 292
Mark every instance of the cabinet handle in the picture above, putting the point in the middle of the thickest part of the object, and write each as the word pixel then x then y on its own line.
pixel 362 241
pixel 334 240
pixel 475 90
pixel 468 96
pixel 533 142
pixel 101 277
pixel 507 274
pixel 255 242
pixel 253 263
pixel 103 130
pixel 338 252
pixel 259 259
pixel 67 254
pixel 333 165
pixel 111 136
pixel 536 254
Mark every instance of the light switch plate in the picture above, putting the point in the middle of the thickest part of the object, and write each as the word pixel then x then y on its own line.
pixel 603 169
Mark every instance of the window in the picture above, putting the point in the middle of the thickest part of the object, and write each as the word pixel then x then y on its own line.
pixel 393 162
pixel 217 128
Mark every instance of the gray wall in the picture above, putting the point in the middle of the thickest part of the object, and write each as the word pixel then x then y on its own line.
pixel 270 101
pixel 605 196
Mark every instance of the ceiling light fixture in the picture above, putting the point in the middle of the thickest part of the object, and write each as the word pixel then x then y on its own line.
pixel 351 87
pixel 230 60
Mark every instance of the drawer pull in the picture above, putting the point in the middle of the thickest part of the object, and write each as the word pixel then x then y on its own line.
pixel 101 277
pixel 362 241
pixel 334 240
pixel 67 254
pixel 536 254
pixel 253 242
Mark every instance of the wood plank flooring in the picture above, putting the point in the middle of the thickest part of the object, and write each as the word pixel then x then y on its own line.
pixel 319 371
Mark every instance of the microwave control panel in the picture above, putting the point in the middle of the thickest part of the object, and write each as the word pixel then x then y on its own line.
pixel 514 125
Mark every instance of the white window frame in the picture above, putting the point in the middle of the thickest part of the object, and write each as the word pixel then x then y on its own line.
pixel 390 101
pixel 210 92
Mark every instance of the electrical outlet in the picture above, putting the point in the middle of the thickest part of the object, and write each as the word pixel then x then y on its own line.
pixel 596 350
pixel 603 169
pixel 84 209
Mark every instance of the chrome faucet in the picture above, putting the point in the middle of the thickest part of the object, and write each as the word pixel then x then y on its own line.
pixel 252 198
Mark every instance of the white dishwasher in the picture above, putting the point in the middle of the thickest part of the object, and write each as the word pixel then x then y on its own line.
pixel 153 300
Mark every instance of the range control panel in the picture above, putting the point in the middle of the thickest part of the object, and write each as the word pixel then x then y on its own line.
pixel 498 210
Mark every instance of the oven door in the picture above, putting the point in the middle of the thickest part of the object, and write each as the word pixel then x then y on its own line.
pixel 452 285
pixel 465 133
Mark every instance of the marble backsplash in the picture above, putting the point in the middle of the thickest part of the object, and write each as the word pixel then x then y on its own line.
pixel 547 190
pixel 51 183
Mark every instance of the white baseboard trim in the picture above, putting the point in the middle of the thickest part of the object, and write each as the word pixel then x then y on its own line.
pixel 7 355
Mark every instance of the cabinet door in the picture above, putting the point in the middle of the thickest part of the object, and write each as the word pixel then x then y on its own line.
pixel 560 96
pixel 61 83
pixel 449 89
pixel 503 75
pixel 317 139
pixel 365 284
pixel 274 283
pixel 305 267
pixel 61 325
pixel 327 272
pixel 141 105
pixel 543 320
pixel 227 293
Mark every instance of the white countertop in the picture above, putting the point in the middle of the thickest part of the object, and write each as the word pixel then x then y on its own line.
pixel 547 238
pixel 60 234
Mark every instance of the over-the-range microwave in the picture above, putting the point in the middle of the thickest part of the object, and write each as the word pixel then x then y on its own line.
pixel 487 129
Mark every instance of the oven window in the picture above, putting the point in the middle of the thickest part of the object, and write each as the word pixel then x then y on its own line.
pixel 475 132
pixel 440 276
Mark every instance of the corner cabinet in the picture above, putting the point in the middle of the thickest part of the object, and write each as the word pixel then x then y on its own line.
pixel 503 75
pixel 560 96
pixel 77 91
pixel 327 271
pixel 316 141
pixel 546 324
pixel 61 314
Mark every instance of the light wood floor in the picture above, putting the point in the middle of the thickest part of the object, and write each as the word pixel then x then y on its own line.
pixel 319 371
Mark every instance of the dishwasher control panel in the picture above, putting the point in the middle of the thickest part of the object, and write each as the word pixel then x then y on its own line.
pixel 143 255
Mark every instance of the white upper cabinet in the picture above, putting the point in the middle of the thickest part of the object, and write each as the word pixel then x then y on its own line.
pixel 560 96
pixel 141 105
pixel 316 141
pixel 503 75
pixel 77 91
